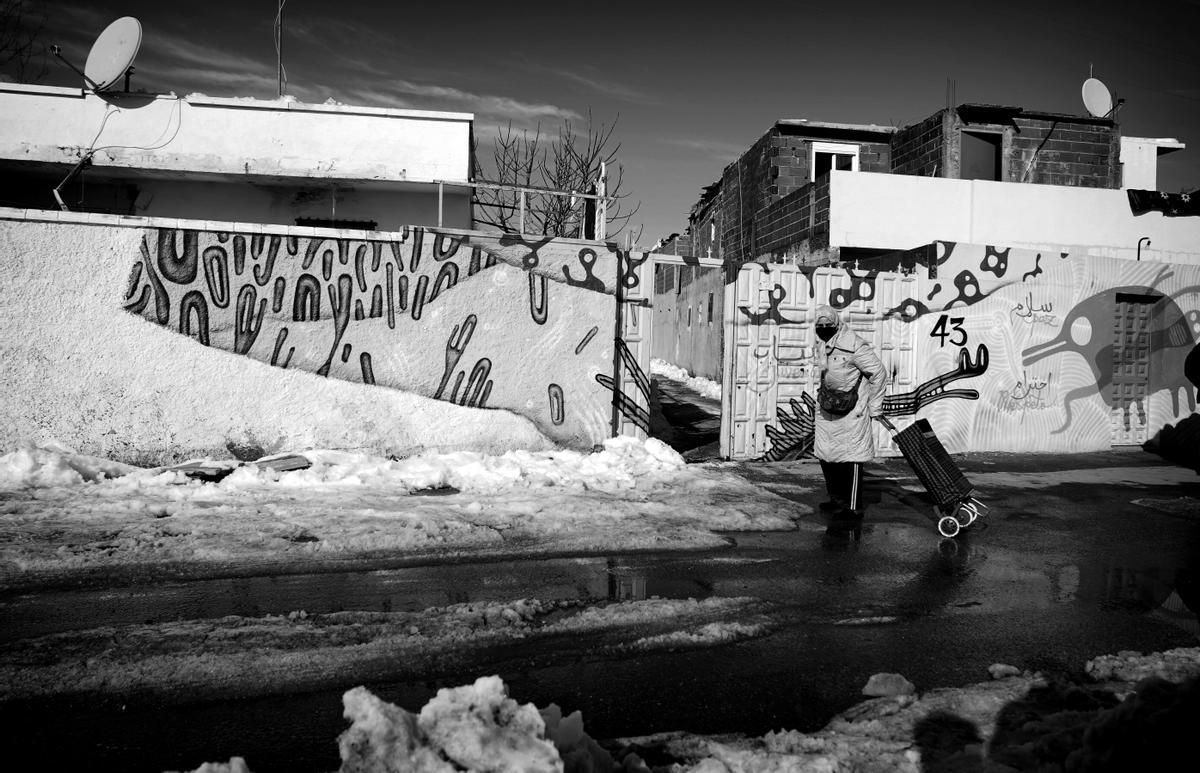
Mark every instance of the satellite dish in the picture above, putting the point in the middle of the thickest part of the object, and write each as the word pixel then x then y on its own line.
pixel 113 53
pixel 1096 98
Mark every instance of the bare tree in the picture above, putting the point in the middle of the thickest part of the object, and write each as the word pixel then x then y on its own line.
pixel 22 56
pixel 572 162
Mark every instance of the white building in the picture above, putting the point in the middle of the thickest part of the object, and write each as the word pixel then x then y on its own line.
pixel 237 160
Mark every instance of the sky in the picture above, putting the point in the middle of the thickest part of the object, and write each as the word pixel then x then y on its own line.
pixel 688 87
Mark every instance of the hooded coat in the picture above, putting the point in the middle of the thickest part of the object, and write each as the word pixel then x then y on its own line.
pixel 841 360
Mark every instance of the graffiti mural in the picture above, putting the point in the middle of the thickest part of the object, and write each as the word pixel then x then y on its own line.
pixel 1063 352
pixel 504 324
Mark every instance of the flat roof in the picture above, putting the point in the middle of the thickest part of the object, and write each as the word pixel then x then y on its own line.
pixel 284 103
pixel 865 127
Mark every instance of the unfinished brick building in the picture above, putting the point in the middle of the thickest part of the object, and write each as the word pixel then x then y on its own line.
pixel 773 202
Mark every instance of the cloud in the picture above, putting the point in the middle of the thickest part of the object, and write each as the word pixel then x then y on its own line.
pixel 489 107
pixel 723 151
pixel 610 88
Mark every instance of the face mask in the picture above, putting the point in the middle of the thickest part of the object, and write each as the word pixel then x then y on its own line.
pixel 825 332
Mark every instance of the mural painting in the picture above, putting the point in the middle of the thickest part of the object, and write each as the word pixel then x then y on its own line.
pixel 1063 352
pixel 505 324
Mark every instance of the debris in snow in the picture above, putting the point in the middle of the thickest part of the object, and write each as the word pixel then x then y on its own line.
pixel 1001 670
pixel 888 685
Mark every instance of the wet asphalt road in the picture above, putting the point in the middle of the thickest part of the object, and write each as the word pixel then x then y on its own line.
pixel 1051 577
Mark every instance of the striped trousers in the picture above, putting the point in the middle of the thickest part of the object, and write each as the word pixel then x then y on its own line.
pixel 843 481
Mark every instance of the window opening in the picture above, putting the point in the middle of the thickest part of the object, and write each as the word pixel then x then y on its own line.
pixel 980 157
pixel 827 156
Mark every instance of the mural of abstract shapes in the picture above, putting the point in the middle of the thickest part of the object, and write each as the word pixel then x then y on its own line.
pixel 1037 268
pixel 967 288
pixel 587 259
pixel 862 288
pixel 995 261
pixel 1086 331
pixel 193 316
pixel 280 339
pixel 554 394
pixel 908 310
pixel 1191 369
pixel 629 407
pixel 538 298
pixel 774 299
pixel 969 292
pixel 793 438
pixel 908 403
pixel 586 339
pixel 456 346
pixel 531 259
pixel 628 265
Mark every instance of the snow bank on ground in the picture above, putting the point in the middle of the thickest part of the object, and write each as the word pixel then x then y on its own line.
pixel 62 511
pixel 704 387
pixel 53 464
pixel 1019 722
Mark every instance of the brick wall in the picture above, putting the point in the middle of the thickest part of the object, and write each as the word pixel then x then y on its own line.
pixel 1065 152
pixel 918 149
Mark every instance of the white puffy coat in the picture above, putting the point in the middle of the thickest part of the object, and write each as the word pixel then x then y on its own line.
pixel 848 438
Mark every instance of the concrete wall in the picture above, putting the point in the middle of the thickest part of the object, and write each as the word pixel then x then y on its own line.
pixel 688 318
pixel 239 136
pixel 904 211
pixel 1001 349
pixel 152 340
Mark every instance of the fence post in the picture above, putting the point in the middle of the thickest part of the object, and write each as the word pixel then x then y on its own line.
pixel 440 188
pixel 521 222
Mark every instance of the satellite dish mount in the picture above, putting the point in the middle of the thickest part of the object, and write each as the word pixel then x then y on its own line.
pixel 111 56
pixel 110 60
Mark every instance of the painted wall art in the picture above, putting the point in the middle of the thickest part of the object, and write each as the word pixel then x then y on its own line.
pixel 1000 348
pixel 528 326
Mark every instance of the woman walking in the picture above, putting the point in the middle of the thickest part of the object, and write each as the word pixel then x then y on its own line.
pixel 850 395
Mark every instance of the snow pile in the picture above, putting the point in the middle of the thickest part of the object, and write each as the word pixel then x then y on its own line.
pixel 620 465
pixel 706 635
pixel 64 512
pixel 623 462
pixel 704 387
pixel 475 727
pixel 52 464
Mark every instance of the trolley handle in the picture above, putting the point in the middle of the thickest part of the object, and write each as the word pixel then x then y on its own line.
pixel 885 421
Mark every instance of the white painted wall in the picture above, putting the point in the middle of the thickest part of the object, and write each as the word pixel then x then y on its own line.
pixel 81 370
pixel 904 211
pixel 233 136
pixel 1139 160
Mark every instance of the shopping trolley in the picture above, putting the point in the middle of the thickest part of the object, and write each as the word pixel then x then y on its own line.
pixel 954 506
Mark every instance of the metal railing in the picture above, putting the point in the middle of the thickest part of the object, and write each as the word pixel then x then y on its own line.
pixel 602 200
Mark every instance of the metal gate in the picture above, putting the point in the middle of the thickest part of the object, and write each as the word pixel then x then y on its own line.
pixel 1131 369
pixel 769 344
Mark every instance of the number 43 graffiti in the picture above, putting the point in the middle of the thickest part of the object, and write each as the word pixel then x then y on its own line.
pixel 956 334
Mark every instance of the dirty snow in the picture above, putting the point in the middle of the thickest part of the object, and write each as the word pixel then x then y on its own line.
pixel 1017 721
pixel 702 386
pixel 61 511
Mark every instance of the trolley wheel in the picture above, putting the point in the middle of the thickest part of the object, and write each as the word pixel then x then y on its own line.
pixel 966 514
pixel 948 526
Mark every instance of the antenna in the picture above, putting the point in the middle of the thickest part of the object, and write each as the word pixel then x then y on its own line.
pixel 1097 99
pixel 111 56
